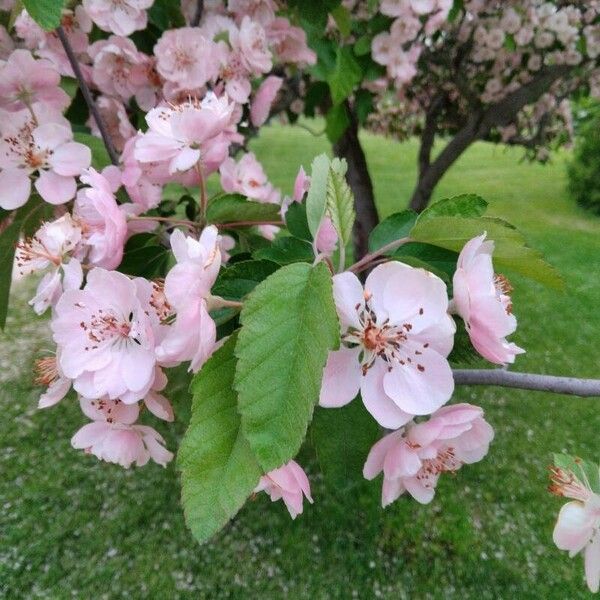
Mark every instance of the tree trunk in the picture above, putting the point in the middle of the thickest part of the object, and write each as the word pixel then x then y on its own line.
pixel 359 180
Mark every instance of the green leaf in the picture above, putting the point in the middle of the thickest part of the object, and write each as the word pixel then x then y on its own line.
pixel 343 20
pixel 463 353
pixel 26 219
pixel 510 250
pixel 392 228
pixel 69 85
pixel 340 201
pixel 363 104
pixel 342 438
pixel 296 221
pixel 100 157
pixel 234 208
pixel 465 205
pixel 345 76
pixel 362 46
pixel 457 6
pixel 143 257
pixel 316 200
pixel 289 325
pixel 285 251
pixel 166 14
pixel 587 472
pixel 218 468
pixel 239 279
pixel 46 13
pixel 336 122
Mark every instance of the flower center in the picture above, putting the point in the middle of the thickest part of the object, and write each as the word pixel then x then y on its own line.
pixel 444 462
pixel 46 371
pixel 106 327
pixel 563 483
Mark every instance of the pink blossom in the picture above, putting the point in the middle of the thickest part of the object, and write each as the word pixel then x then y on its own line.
pixel 49 374
pixel 412 459
pixel 52 285
pixel 106 335
pixel 46 147
pixel 245 177
pixel 263 100
pixel 185 57
pixel 261 11
pixel 327 238
pixel 188 134
pixel 250 41
pixel 192 335
pixel 122 17
pixel 119 69
pixel 578 523
pixel 396 334
pixel 116 120
pixel 482 301
pixel 25 81
pixel 288 43
pixel 103 222
pixel 288 483
pixel 114 438
pixel 6 43
pixel 301 185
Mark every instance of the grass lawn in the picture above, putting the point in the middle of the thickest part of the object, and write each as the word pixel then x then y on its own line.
pixel 71 527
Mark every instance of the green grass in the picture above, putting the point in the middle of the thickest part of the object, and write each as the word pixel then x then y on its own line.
pixel 71 527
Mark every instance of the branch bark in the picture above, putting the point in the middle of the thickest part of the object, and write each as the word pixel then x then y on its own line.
pixel 359 180
pixel 87 95
pixel 528 381
pixel 478 125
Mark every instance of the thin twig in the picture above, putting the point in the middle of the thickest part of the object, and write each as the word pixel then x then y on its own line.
pixel 189 224
pixel 85 90
pixel 571 386
pixel 197 14
pixel 365 261
pixel 248 224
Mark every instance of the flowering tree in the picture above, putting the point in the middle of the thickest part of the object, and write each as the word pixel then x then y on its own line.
pixel 144 270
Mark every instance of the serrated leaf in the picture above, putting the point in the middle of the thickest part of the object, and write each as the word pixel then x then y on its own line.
pixel 296 221
pixel 465 205
pixel 100 157
pixel 239 279
pixel 285 251
pixel 316 199
pixel 510 250
pixel 346 75
pixel 46 13
pixel 148 261
pixel 218 468
pixel 340 201
pixel 289 325
pixel 587 472
pixel 234 208
pixel 343 20
pixel 391 229
pixel 26 219
pixel 342 438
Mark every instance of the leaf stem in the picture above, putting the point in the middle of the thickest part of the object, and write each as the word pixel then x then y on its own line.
pixel 189 224
pixel 365 261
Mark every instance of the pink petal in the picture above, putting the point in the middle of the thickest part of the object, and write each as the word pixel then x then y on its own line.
pixel 15 188
pixel 70 159
pixel 573 528
pixel 185 159
pixel 341 378
pixel 348 293
pixel 374 463
pixel 54 188
pixel 159 406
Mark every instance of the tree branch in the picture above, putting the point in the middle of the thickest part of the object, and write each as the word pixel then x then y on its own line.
pixel 85 90
pixel 528 381
pixel 197 14
pixel 429 131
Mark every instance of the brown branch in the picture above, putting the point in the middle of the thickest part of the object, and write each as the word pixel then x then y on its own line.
pixel 197 13
pixel 85 90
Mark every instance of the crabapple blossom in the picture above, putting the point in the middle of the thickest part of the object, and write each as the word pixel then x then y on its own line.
pixel 192 336
pixel 250 43
pixel 396 335
pixel 25 81
pixel 116 120
pixel 49 374
pixel 288 483
pixel 113 437
pixel 186 135
pixel 246 177
pixel 413 458
pixel 301 185
pixel 44 145
pixel 327 238
pixel 578 524
pixel 288 43
pixel 122 17
pixel 482 301
pixel 106 335
pixel 103 221
pixel 263 100
pixel 52 285
pixel 186 58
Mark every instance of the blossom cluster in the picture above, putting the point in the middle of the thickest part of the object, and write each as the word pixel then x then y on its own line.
pixel 116 335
